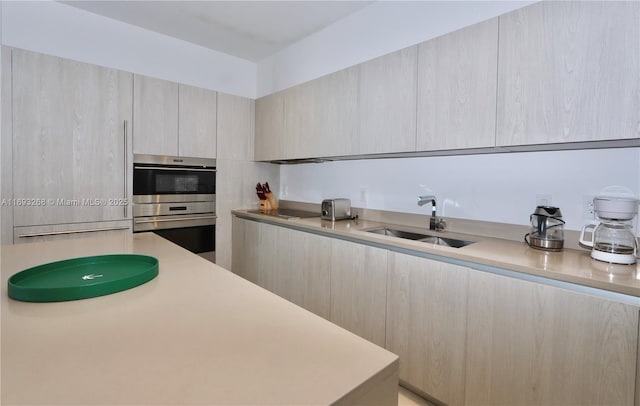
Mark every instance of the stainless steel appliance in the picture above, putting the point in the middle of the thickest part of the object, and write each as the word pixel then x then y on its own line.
pixel 336 209
pixel 546 229
pixel 612 239
pixel 175 197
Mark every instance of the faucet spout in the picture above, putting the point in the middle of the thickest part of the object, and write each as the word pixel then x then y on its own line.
pixel 422 200
pixel 435 223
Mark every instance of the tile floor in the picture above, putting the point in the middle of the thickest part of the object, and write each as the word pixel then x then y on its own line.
pixel 408 398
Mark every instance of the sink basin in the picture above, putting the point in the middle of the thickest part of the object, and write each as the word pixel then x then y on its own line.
pixel 407 235
pixel 449 242
pixel 428 238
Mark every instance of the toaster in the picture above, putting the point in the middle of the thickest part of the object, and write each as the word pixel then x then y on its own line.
pixel 336 209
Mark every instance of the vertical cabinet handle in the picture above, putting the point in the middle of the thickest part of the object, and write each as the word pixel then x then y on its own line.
pixel 125 169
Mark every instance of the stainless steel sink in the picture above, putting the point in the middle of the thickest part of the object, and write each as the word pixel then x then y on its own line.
pixel 398 233
pixel 428 238
pixel 449 242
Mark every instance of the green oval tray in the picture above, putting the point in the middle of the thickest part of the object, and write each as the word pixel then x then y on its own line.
pixel 82 278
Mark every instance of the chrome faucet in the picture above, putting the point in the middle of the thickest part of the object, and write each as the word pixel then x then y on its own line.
pixel 435 223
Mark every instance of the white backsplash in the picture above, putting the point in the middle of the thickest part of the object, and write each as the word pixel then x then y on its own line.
pixel 503 188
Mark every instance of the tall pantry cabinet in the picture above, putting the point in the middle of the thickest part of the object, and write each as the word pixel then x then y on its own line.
pixel 71 143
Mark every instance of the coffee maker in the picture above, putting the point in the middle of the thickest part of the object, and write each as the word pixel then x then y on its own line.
pixel 612 238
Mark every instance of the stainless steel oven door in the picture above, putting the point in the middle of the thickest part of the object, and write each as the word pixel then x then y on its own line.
pixel 194 232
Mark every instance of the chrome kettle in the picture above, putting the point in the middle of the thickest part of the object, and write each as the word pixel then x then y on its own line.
pixel 547 229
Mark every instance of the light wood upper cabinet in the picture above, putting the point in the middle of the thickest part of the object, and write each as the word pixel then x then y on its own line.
pixel 320 116
pixel 426 324
pixel 359 289
pixel 533 344
pixel 69 141
pixel 387 103
pixel 569 71
pixel 457 89
pixel 173 119
pixel 155 113
pixel 197 114
pixel 235 127
pixel 269 142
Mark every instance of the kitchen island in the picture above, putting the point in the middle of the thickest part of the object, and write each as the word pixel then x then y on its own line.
pixel 196 334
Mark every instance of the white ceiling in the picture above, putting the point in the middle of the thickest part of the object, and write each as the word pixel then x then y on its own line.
pixel 251 30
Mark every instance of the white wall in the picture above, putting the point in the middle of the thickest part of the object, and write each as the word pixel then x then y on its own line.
pixel 494 187
pixel 57 29
pixel 375 30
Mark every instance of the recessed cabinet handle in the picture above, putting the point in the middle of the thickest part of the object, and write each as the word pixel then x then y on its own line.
pixel 91 230
pixel 125 168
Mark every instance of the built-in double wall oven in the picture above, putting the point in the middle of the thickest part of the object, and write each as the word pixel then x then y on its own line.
pixel 175 197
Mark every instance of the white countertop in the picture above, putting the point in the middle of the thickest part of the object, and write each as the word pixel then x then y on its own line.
pixel 196 334
pixel 569 265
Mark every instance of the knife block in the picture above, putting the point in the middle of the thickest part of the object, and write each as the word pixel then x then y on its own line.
pixel 264 205
pixel 271 199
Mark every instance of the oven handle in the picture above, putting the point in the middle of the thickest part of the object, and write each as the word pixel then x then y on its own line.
pixel 162 168
pixel 144 221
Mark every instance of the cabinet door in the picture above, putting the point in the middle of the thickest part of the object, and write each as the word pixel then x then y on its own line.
pixel 270 128
pixel 359 289
pixel 426 324
pixel 254 252
pixel 155 114
pixel 69 140
pixel 320 116
pixel 457 89
pixel 197 122
pixel 569 71
pixel 235 134
pixel 532 344
pixel 303 270
pixel 387 103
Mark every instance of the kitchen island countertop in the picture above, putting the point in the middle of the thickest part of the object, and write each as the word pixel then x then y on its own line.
pixel 196 334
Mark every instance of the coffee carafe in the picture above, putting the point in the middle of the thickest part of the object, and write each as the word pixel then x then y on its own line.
pixel 612 239
pixel 547 229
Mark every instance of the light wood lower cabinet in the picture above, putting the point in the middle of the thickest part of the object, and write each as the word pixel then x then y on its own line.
pixel 464 336
pixel 532 344
pixel 277 259
pixel 299 277
pixel 359 289
pixel 254 250
pixel 426 324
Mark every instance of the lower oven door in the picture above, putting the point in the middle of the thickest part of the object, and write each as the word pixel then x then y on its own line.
pixel 193 232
